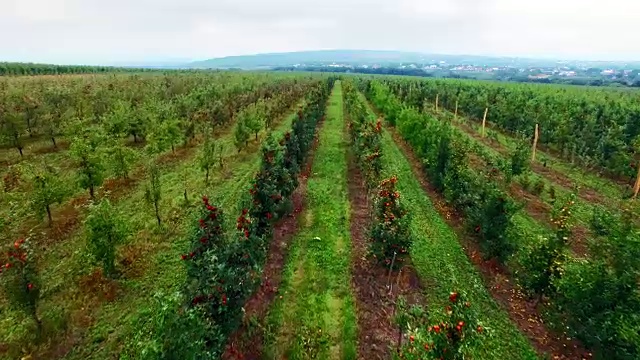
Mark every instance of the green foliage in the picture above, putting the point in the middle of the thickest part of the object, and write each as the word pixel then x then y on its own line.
pixel 391 240
pixel 600 295
pixel 48 189
pixel 520 158
pixel 487 209
pixel 163 132
pixel 121 158
pixel 449 337
pixel 241 134
pixel 12 127
pixel 602 221
pixel 538 187
pixel 592 127
pixel 57 112
pixel 167 330
pixel 105 230
pixel 491 218
pixel 365 135
pixel 86 152
pixel 116 121
pixel 542 262
pixel 153 189
pixel 254 119
pixel 20 279
pixel 207 157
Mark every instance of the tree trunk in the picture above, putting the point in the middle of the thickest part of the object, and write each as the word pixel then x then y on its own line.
pixel 206 175
pixel 53 140
pixel 20 150
pixel 135 138
pixel 256 136
pixel 91 192
pixel 185 196
pixel 38 325
pixel 173 149
pixel 49 215
pixel 157 213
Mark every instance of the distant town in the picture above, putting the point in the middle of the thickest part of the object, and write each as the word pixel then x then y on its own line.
pixel 569 73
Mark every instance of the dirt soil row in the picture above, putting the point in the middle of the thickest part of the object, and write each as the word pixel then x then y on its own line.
pixel 376 289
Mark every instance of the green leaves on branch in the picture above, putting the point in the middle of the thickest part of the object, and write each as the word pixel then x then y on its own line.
pixel 48 189
pixel 20 280
pixel 86 152
pixel 105 230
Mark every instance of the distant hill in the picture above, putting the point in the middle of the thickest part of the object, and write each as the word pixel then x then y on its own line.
pixel 321 57
pixel 358 57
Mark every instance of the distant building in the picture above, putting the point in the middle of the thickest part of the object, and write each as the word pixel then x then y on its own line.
pixel 567 73
pixel 539 76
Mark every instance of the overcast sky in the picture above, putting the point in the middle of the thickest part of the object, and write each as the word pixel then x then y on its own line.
pixel 109 31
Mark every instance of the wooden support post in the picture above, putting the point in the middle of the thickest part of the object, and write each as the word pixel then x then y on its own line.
pixel 455 114
pixel 636 187
pixel 484 121
pixel 535 144
pixel 437 97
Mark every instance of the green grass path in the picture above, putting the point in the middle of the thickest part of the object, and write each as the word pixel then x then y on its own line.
pixel 315 318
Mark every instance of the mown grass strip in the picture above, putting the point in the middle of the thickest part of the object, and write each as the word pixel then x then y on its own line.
pixel 315 318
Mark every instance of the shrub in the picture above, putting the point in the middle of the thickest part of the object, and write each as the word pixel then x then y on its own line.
pixel 525 182
pixel 599 297
pixel 48 189
pixel 541 263
pixel 390 233
pixel 520 158
pixel 207 157
pixel 272 184
pixel 11 179
pixel 90 165
pixel 602 221
pixel 105 230
pixel 241 132
pixel 538 187
pixel 490 217
pixel 366 135
pixel 552 193
pixel 20 280
pixel 122 158
pixel 447 338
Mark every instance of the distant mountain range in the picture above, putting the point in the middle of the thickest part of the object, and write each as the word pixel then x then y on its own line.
pixel 370 57
pixel 321 57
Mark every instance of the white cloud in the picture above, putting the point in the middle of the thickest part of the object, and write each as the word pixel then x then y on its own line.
pixel 100 31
